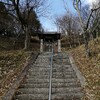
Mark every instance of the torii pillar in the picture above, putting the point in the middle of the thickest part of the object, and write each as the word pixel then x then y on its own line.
pixel 59 45
pixel 41 45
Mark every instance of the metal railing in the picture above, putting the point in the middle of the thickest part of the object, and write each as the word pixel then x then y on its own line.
pixel 50 78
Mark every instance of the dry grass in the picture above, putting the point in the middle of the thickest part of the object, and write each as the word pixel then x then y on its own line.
pixel 11 64
pixel 90 68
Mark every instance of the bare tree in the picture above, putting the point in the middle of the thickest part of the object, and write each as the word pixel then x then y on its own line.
pixel 95 23
pixel 69 25
pixel 84 26
pixel 21 10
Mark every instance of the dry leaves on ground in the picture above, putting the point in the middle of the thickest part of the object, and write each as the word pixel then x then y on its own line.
pixel 90 68
pixel 11 64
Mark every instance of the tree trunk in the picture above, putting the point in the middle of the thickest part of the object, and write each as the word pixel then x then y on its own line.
pixel 27 39
pixel 87 50
pixel 97 35
pixel 79 41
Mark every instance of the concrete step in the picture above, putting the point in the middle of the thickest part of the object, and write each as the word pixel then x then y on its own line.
pixel 46 85
pixel 61 65
pixel 32 91
pixel 48 65
pixel 42 62
pixel 65 85
pixel 47 80
pixel 62 62
pixel 40 66
pixel 68 96
pixel 46 90
pixel 31 97
pixel 38 73
pixel 61 57
pixel 68 75
pixel 38 76
pixel 54 69
pixel 39 69
pixel 63 73
pixel 62 70
pixel 54 76
pixel 55 73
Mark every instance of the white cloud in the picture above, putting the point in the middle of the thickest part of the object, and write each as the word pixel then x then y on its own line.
pixel 90 2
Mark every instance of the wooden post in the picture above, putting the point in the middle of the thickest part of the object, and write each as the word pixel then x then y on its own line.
pixel 59 45
pixel 41 45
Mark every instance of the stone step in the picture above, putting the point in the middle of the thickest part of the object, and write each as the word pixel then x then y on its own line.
pixel 63 69
pixel 41 58
pixel 68 96
pixel 61 65
pixel 47 80
pixel 40 66
pixel 63 73
pixel 41 63
pixel 54 76
pixel 60 62
pixel 53 69
pixel 46 85
pixel 46 90
pixel 32 91
pixel 31 97
pixel 38 76
pixel 39 70
pixel 65 85
pixel 48 65
pixel 63 58
pixel 64 76
pixel 54 73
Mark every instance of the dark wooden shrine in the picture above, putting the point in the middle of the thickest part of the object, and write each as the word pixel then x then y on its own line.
pixel 49 37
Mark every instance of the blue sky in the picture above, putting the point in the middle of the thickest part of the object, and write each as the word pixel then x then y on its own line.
pixel 57 8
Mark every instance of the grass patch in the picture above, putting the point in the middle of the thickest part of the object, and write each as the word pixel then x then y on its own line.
pixel 90 68
pixel 11 64
pixel 12 61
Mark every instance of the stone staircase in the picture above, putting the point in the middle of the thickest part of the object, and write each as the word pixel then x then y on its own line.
pixel 65 85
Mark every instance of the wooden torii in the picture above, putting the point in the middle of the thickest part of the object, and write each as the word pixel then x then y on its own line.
pixel 50 38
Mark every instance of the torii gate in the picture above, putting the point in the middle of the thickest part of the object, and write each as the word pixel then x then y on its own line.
pixel 49 38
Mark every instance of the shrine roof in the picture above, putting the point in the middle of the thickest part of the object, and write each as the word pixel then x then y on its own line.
pixel 49 36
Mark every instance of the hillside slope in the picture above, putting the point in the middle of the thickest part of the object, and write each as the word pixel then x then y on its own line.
pixel 12 60
pixel 90 68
